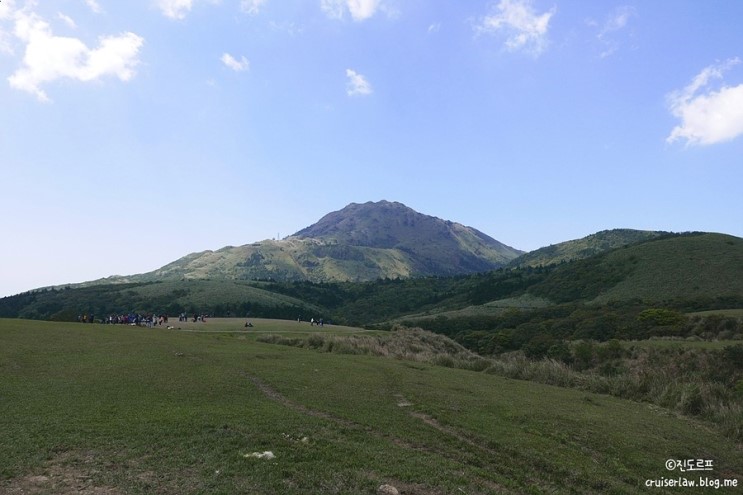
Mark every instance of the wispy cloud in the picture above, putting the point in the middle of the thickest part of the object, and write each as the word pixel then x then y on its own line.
pixel 6 12
pixel 252 7
pixel 237 65
pixel 524 28
pixel 175 9
pixel 359 9
pixel 48 57
pixel 290 28
pixel 356 84
pixel 6 9
pixel 5 44
pixel 67 20
pixel 707 116
pixel 94 6
pixel 608 31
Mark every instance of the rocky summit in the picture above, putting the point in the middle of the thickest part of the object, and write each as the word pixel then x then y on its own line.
pixel 357 243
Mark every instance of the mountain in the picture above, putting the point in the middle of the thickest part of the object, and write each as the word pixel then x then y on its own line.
pixel 434 246
pixel 687 272
pixel 588 246
pixel 172 297
pixel 358 243
pixel 683 267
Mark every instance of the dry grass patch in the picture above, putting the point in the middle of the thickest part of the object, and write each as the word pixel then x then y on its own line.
pixel 412 344
pixel 70 473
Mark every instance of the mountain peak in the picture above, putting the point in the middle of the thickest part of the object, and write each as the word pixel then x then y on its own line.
pixel 382 224
pixel 437 245
pixel 363 241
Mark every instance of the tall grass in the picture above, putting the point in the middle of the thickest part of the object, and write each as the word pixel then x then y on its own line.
pixel 686 381
pixel 401 343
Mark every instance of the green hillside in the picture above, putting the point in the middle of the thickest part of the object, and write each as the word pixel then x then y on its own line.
pixel 221 297
pixel 138 411
pixel 360 242
pixel 586 247
pixel 286 260
pixel 688 272
pixel 693 267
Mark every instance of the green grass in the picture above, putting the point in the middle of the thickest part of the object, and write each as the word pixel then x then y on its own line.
pixel 687 267
pixel 698 268
pixel 493 308
pixel 584 247
pixel 142 411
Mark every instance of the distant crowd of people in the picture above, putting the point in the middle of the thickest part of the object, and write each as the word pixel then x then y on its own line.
pixel 149 320
pixel 314 321
pixel 196 317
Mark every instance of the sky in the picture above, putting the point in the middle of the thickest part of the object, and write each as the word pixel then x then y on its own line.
pixel 133 133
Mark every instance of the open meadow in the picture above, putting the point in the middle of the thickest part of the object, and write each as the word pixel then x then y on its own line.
pixel 211 408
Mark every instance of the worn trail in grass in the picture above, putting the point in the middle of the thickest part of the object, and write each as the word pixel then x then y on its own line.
pixel 108 410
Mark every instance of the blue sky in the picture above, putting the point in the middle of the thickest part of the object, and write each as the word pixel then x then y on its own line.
pixel 133 133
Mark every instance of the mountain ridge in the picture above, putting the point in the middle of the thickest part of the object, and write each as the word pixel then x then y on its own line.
pixel 585 247
pixel 690 272
pixel 360 242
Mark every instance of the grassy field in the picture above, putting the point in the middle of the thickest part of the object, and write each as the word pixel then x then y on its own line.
pixel 113 410
pixel 678 268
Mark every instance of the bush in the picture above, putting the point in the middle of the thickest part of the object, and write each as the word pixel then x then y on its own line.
pixel 583 353
pixel 539 346
pixel 733 355
pixel 560 351
pixel 315 341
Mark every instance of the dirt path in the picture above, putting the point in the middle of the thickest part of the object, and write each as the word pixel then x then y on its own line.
pixel 277 396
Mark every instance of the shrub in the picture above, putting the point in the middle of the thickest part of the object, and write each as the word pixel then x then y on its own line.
pixel 315 341
pixel 560 351
pixel 733 355
pixel 584 352
pixel 538 346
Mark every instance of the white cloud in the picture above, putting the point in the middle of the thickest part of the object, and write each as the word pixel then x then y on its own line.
pixel 6 12
pixel 524 28
pixel 237 65
pixel 6 9
pixel 359 9
pixel 48 57
pixel 357 85
pixel 434 28
pixel 618 20
pixel 67 20
pixel 5 45
pixel 707 116
pixel 615 23
pixel 175 9
pixel 252 7
pixel 94 6
pixel 179 9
